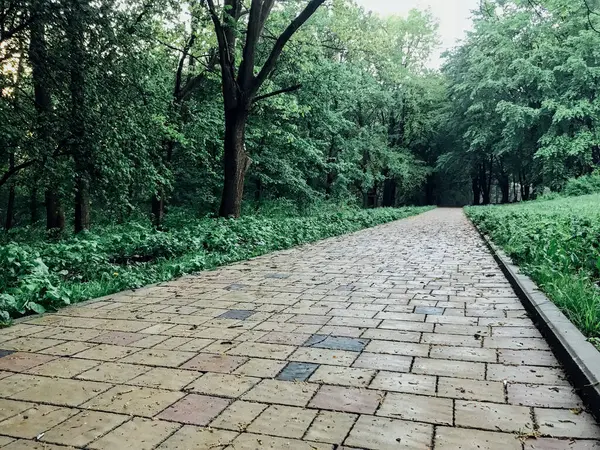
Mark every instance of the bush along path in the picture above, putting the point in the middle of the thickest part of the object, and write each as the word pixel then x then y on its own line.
pixel 48 275
pixel 556 243
pixel 403 337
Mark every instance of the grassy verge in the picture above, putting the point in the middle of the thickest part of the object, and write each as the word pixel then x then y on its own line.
pixel 40 275
pixel 557 243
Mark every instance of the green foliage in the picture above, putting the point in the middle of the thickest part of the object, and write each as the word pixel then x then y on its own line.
pixel 557 242
pixel 587 184
pixel 523 106
pixel 40 276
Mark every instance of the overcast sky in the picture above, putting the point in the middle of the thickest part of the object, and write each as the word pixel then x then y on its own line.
pixel 454 17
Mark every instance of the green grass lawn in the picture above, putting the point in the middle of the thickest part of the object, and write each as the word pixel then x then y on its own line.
pixel 38 275
pixel 557 243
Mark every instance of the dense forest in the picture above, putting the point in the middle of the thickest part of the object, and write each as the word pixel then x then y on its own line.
pixel 111 109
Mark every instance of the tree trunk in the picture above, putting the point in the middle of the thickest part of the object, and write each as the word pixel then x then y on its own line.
pixel 236 162
pixel 82 202
pixel 430 190
pixel 77 125
pixel 10 207
pixel 55 216
pixel 526 192
pixel 389 193
pixel 38 57
pixel 476 190
pixel 504 182
pixel 33 205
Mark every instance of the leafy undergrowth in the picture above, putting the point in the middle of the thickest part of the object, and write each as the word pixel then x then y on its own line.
pixel 40 276
pixel 557 243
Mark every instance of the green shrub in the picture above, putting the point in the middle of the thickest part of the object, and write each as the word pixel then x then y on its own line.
pixel 588 184
pixel 557 243
pixel 43 275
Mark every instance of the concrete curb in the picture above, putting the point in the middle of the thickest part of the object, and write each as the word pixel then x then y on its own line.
pixel 581 360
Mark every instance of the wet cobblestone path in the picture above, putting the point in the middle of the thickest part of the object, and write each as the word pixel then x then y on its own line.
pixel 404 336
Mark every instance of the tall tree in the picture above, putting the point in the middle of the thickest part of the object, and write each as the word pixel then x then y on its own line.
pixel 241 84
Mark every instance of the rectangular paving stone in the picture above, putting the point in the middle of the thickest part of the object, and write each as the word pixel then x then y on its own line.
pixel 165 378
pixel 63 367
pixel 344 399
pixel 560 444
pixel 493 416
pixel 324 356
pixel 83 428
pixel 527 357
pixel 283 421
pixel 117 338
pixel 282 392
pixel 277 337
pixel 297 371
pixel 490 391
pixel 20 361
pixel 404 382
pixel 259 350
pixel 208 362
pixel 343 376
pixel 448 368
pixel 139 401
pixel 398 348
pixel 106 352
pixel 249 441
pixel 10 408
pixel 452 339
pixel 378 361
pixel 567 423
pixel 406 326
pixel 336 343
pixel 138 433
pixel 68 348
pixel 418 408
pixel 34 421
pixel 113 372
pixel 195 409
pixel 463 353
pixel 389 434
pixel 262 368
pixel 238 415
pixel 58 391
pixel 527 374
pixel 222 385
pixel 429 310
pixel 165 358
pixel 392 335
pixel 331 427
pixel 459 438
pixel 543 396
pixel 237 314
pixel 30 344
pixel 191 437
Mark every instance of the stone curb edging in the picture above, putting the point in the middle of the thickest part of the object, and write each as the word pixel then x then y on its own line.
pixel 579 357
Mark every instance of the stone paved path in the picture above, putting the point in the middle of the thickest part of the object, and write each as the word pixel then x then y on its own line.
pixel 406 336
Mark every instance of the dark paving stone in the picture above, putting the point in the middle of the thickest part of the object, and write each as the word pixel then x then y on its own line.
pixel 336 343
pixel 238 314
pixel 429 310
pixel 280 276
pixel 4 353
pixel 296 371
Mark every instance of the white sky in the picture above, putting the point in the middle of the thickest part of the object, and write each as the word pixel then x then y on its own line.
pixel 454 17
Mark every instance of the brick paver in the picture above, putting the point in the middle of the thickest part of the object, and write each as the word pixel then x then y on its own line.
pixel 404 336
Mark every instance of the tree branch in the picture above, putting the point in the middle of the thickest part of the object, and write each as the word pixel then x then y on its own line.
pixel 278 92
pixel 269 65
pixel 14 170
